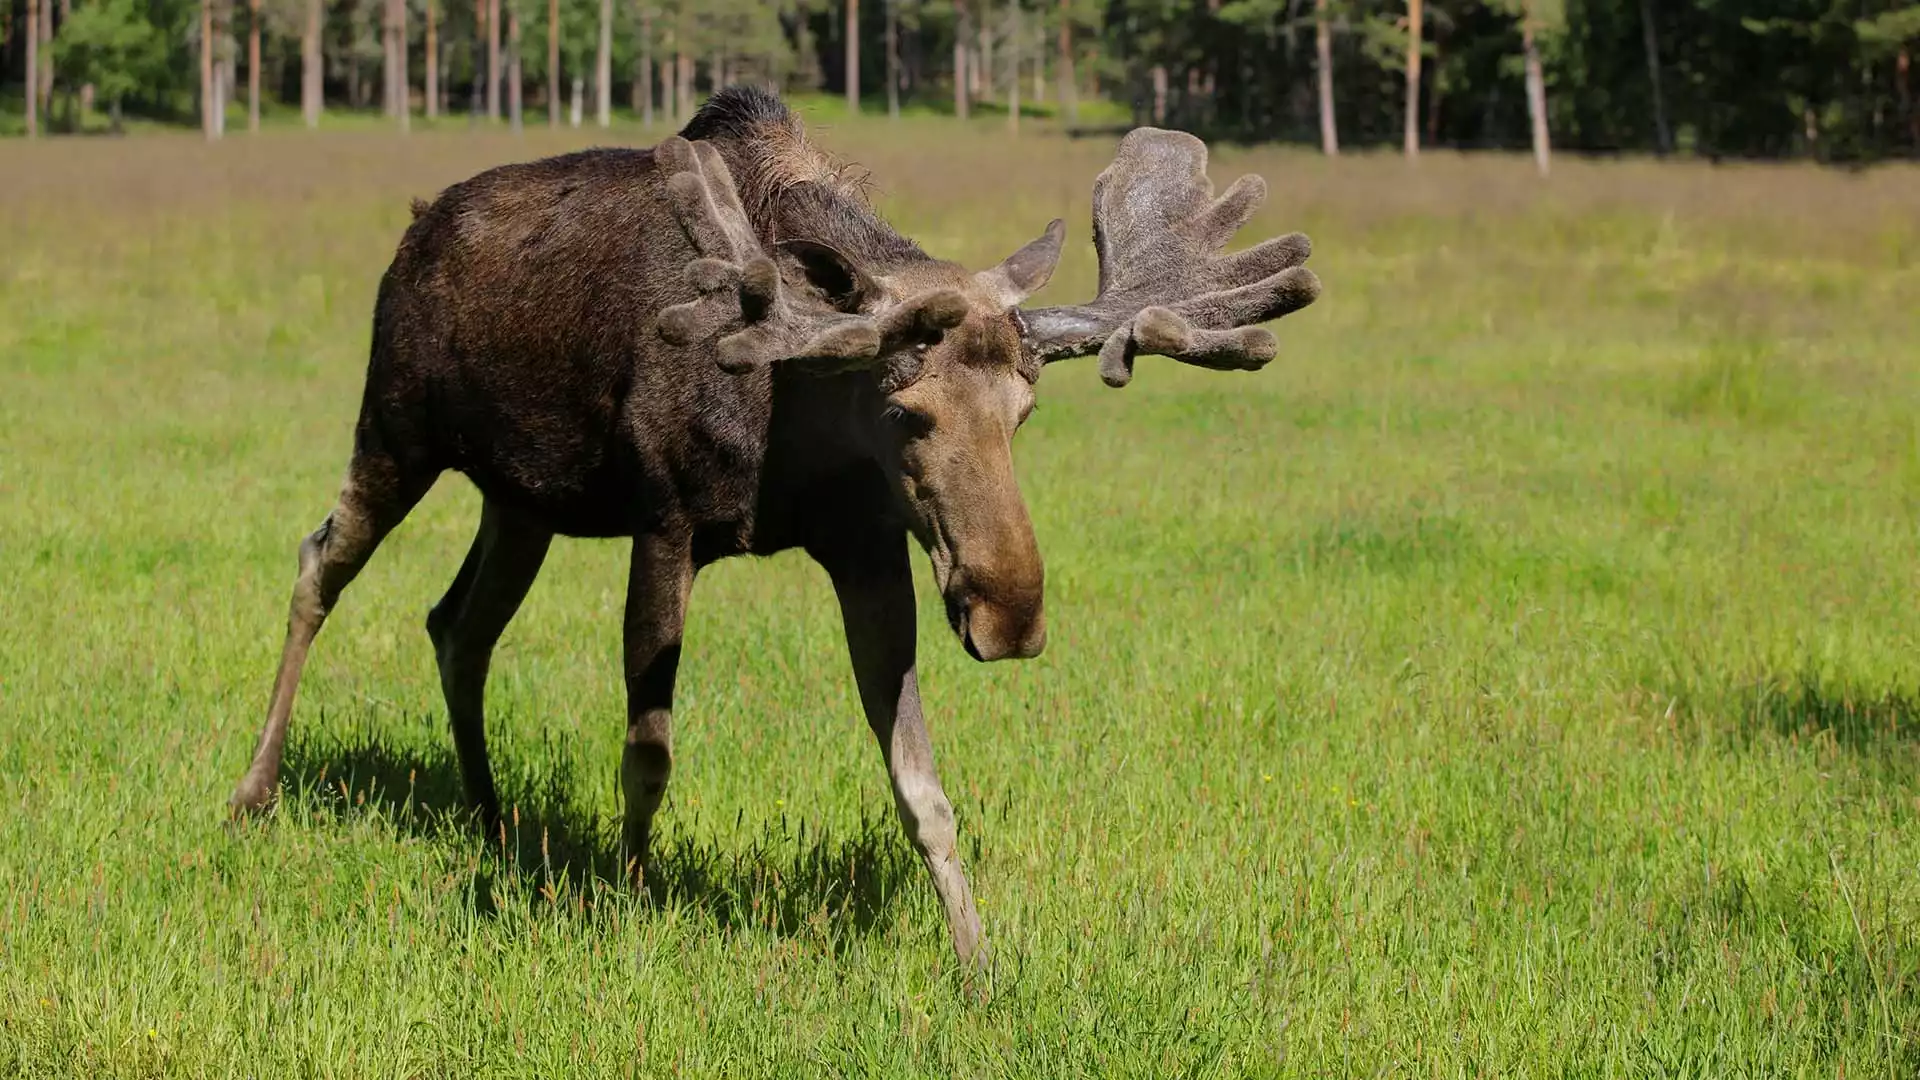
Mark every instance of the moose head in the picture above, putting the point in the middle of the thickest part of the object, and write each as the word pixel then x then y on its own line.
pixel 957 358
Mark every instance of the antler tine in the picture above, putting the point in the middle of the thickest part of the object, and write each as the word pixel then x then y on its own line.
pixel 1165 287
pixel 739 286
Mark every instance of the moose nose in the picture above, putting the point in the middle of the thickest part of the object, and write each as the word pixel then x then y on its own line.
pixel 991 631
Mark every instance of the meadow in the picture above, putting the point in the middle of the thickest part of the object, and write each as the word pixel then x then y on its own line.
pixel 1519 677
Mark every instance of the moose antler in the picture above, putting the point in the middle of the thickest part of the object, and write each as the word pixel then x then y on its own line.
pixel 1165 288
pixel 742 296
pixel 739 286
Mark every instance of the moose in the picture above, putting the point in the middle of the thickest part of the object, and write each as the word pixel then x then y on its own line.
pixel 716 347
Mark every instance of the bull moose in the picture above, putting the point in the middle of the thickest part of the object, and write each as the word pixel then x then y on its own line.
pixel 716 347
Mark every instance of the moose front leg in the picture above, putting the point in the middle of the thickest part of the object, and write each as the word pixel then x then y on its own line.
pixel 875 587
pixel 657 586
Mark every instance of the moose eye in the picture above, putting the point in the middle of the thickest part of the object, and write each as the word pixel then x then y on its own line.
pixel 912 422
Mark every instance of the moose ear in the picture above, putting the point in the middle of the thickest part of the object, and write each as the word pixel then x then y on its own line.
pixel 1026 271
pixel 828 271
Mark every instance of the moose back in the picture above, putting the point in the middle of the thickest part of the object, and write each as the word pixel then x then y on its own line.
pixel 716 347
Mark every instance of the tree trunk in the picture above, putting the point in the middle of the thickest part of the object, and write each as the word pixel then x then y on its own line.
pixel 1412 134
pixel 1040 58
pixel 402 78
pixel 493 59
pixel 311 68
pixel 386 59
pixel 402 85
pixel 1663 138
pixel 398 93
pixel 433 65
pixel 399 61
pixel 516 87
pixel 984 54
pixel 1434 96
pixel 1536 95
pixel 1159 95
pixel 961 99
pixel 1903 69
pixel 686 87
pixel 33 68
pixel 603 69
pixel 1210 77
pixel 1013 64
pixel 477 55
pixel 207 95
pixel 44 87
pixel 402 82
pixel 643 80
pixel 853 57
pixel 579 101
pixel 670 86
pixel 1069 93
pixel 893 60
pixel 253 65
pixel 222 66
pixel 553 63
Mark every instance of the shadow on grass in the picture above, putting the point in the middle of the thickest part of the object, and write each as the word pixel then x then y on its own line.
pixel 1880 724
pixel 1858 718
pixel 552 850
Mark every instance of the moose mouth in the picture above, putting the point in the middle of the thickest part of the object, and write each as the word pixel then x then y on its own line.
pixel 958 610
pixel 992 623
pixel 949 579
pixel 992 631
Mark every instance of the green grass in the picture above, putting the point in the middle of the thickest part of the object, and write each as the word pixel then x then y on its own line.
pixel 1518 677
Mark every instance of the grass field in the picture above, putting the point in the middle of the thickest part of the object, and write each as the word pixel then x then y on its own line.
pixel 1519 677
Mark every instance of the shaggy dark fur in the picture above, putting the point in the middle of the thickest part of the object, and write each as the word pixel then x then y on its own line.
pixel 514 342
pixel 833 388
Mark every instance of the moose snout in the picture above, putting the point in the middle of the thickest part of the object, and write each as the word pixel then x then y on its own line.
pixel 998 628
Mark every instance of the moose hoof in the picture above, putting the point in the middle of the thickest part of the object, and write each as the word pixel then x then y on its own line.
pixel 249 800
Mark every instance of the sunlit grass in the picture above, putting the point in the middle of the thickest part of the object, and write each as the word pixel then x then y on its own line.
pixel 1519 677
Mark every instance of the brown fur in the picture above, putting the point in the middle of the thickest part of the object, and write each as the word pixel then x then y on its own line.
pixel 518 339
pixel 514 341
pixel 773 154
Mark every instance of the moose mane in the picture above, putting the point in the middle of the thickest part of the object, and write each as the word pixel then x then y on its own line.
pixel 791 188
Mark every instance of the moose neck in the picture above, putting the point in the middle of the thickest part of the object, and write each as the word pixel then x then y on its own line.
pixel 791 189
pixel 814 211
pixel 822 469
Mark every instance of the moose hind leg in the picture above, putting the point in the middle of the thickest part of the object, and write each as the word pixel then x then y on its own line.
pixel 373 500
pixel 467 623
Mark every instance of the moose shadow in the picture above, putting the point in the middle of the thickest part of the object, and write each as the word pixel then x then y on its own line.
pixel 1859 718
pixel 1875 723
pixel 549 844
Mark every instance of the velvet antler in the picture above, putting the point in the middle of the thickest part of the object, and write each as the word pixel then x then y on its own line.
pixel 743 301
pixel 741 294
pixel 1165 287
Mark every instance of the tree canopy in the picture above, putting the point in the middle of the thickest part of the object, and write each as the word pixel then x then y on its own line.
pixel 1830 79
